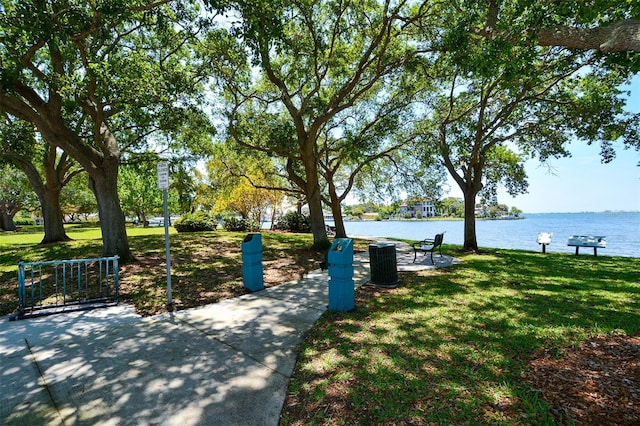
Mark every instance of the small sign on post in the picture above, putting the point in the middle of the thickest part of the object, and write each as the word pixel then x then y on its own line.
pixel 163 183
pixel 163 175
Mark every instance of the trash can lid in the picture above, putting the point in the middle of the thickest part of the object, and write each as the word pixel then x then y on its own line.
pixel 381 244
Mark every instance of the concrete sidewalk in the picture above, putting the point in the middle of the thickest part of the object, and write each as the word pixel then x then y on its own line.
pixel 227 363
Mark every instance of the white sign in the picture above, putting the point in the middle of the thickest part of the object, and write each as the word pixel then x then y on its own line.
pixel 163 175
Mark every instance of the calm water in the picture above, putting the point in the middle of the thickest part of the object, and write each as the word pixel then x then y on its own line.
pixel 621 229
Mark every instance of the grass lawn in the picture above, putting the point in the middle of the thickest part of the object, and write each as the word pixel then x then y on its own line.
pixel 456 346
pixel 206 267
pixel 471 344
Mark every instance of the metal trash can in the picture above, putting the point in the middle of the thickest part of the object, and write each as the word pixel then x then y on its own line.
pixel 252 270
pixel 341 286
pixel 384 265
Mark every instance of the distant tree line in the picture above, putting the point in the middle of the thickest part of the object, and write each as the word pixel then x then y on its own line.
pixel 449 207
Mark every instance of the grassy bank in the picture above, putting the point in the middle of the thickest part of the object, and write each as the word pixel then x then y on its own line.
pixel 453 346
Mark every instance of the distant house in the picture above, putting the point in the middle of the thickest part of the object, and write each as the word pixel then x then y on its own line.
pixel 480 210
pixel 424 208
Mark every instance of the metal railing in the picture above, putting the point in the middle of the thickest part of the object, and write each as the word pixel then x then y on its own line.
pixel 53 286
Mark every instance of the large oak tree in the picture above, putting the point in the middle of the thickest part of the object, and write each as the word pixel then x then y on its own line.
pixel 317 60
pixel 48 169
pixel 505 98
pixel 96 79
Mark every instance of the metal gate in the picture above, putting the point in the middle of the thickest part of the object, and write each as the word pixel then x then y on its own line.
pixel 61 285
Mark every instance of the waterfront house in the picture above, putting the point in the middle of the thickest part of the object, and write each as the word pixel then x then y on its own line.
pixel 422 208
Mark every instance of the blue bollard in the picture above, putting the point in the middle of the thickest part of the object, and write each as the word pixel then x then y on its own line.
pixel 252 272
pixel 341 287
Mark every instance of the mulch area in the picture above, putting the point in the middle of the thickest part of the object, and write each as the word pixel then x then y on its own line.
pixel 597 383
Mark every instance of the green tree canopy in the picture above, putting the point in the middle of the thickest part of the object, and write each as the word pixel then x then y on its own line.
pixel 97 79
pixel 504 99
pixel 244 183
pixel 317 62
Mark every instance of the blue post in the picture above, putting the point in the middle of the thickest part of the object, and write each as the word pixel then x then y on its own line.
pixel 116 277
pixel 22 290
pixel 252 271
pixel 341 286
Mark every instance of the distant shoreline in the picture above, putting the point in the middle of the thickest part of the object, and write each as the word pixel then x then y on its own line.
pixel 522 216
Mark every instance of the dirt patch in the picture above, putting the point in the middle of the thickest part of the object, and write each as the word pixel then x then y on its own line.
pixel 597 383
pixel 205 276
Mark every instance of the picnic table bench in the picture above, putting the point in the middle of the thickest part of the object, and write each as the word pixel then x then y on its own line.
pixel 594 241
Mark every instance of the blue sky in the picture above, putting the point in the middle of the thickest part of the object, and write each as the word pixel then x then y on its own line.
pixel 581 182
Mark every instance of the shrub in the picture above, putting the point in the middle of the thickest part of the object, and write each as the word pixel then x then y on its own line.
pixel 239 225
pixel 21 221
pixel 294 222
pixel 194 222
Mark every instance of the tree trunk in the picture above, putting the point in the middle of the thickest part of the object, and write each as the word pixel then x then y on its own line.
pixel 6 220
pixel 53 217
pixel 112 221
pixel 316 216
pixel 470 240
pixel 273 217
pixel 336 210
pixel 311 187
pixel 48 193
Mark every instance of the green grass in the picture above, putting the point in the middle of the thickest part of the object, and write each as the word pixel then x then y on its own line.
pixel 206 266
pixel 446 347
pixel 86 242
pixel 450 347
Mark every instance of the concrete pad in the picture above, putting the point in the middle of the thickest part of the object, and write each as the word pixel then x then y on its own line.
pixel 24 398
pixel 61 326
pixel 225 363
pixel 158 371
pixel 267 329
pixel 311 291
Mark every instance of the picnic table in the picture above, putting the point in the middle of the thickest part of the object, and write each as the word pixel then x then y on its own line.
pixel 595 241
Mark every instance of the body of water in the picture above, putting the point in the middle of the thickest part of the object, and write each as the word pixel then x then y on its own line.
pixel 621 229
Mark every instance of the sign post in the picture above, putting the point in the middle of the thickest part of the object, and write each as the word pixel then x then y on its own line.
pixel 163 183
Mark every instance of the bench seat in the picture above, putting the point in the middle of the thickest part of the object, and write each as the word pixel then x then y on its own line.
pixel 428 246
pixel 595 241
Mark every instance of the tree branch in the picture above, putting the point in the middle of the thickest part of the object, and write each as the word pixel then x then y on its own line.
pixel 621 36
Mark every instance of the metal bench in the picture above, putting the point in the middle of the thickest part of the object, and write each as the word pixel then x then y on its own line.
pixel 428 246
pixel 331 230
pixel 594 241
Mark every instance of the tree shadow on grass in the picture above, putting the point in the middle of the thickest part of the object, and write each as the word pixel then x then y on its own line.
pixel 451 347
pixel 206 267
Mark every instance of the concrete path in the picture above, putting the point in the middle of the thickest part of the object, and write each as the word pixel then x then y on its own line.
pixel 227 363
